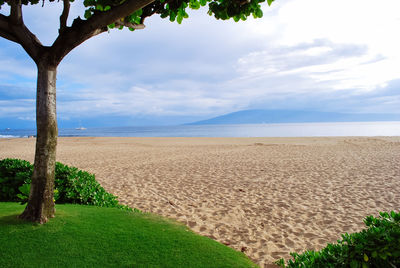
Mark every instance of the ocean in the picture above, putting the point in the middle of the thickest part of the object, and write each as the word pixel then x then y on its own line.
pixel 242 130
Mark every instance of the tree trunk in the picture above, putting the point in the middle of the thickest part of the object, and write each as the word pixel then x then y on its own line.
pixel 41 198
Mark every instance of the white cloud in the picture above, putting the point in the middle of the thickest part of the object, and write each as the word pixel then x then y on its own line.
pixel 356 73
pixel 299 49
pixel 17 107
pixel 12 67
pixel 341 21
pixel 316 51
pixel 27 118
pixel 358 22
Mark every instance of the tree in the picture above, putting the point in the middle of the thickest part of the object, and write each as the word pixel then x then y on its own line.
pixel 100 16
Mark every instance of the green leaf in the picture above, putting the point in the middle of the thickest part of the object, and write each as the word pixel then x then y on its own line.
pixel 172 16
pixel 259 13
pixel 270 2
pixel 392 214
pixel 87 14
pixel 354 264
pixel 193 4
pixel 87 3
pixel 25 189
pixel 139 12
pixel 179 18
pixel 366 257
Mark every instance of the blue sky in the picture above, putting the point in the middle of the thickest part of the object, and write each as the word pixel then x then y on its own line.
pixel 336 56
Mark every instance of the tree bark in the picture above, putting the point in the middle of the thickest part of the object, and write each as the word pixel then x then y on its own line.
pixel 41 198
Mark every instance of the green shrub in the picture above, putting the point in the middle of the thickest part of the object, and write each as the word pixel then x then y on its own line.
pixel 71 185
pixel 24 192
pixel 80 187
pixel 13 174
pixel 376 246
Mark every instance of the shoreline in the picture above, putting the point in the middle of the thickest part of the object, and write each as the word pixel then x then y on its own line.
pixel 266 138
pixel 263 196
pixel 316 129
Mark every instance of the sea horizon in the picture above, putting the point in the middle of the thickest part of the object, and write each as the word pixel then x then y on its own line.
pixel 322 129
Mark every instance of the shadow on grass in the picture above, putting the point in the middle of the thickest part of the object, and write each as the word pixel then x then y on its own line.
pixel 12 220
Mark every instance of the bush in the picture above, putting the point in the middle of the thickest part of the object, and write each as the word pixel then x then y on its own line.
pixel 376 246
pixel 71 185
pixel 13 174
pixel 80 187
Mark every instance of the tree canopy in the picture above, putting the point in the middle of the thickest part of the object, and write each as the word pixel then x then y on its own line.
pixel 102 15
pixel 172 9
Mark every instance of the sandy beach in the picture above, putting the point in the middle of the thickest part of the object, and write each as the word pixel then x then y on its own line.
pixel 263 196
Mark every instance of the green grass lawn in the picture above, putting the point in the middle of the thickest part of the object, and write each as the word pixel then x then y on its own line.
pixel 89 236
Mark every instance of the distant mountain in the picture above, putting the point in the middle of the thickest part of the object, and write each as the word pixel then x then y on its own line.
pixel 290 116
pixel 101 121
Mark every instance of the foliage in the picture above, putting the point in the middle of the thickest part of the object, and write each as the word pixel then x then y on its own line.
pixel 71 185
pixel 89 236
pixel 175 10
pixel 24 192
pixel 13 174
pixel 376 246
pixel 81 187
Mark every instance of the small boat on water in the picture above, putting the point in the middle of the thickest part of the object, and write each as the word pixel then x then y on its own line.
pixel 80 128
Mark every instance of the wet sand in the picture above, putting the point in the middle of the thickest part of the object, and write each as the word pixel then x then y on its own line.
pixel 263 196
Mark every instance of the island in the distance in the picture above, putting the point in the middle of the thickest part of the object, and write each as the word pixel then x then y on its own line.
pixel 292 116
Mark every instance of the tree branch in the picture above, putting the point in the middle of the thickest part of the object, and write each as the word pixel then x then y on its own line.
pixel 103 19
pixel 82 30
pixel 148 11
pixel 64 16
pixel 13 28
pixel 153 8
pixel 5 30
pixel 16 12
pixel 130 25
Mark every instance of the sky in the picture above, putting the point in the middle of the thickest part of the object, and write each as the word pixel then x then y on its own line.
pixel 318 55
